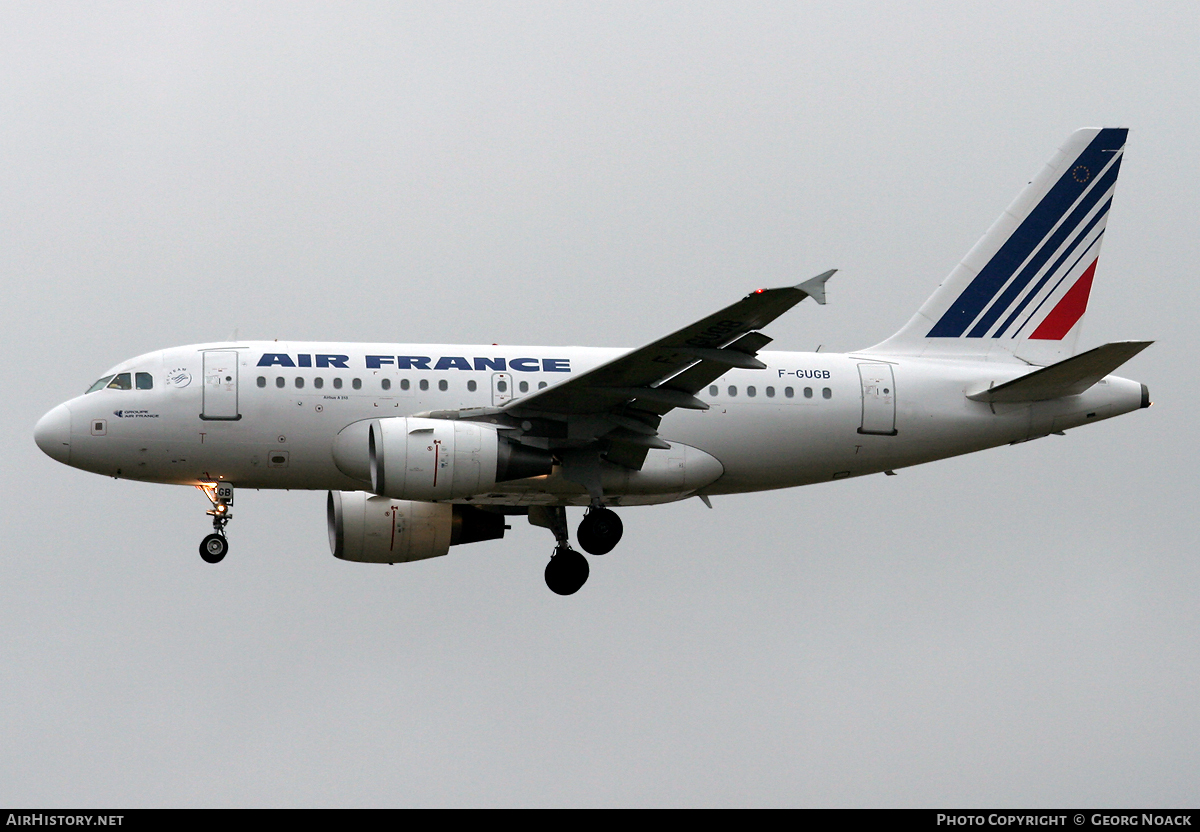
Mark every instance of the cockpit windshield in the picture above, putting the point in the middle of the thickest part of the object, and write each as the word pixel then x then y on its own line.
pixel 124 381
pixel 99 385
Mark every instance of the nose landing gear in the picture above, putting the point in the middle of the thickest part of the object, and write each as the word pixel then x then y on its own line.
pixel 214 547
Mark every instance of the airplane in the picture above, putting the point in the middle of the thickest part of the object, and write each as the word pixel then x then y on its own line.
pixel 422 447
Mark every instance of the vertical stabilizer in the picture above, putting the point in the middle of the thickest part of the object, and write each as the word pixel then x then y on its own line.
pixel 1022 291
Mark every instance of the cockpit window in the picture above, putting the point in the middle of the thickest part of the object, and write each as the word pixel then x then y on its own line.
pixel 121 381
pixel 99 385
pixel 144 381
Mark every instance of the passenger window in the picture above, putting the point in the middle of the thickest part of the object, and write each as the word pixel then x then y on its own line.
pixel 732 391
pixel 808 392
pixel 770 392
pixel 789 392
pixel 404 385
pixel 122 381
pixel 99 385
pixel 827 393
pixel 337 384
pixel 144 381
pixel 299 382
pixel 386 384
pixel 279 382
pixel 523 386
pixel 471 385
pixel 713 391
pixel 262 381
pixel 356 384
pixel 751 392
pixel 541 385
pixel 442 385
pixel 318 382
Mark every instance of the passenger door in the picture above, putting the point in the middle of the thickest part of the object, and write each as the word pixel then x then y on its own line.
pixel 878 399
pixel 220 385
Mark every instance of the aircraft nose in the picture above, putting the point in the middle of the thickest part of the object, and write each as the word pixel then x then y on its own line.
pixel 53 434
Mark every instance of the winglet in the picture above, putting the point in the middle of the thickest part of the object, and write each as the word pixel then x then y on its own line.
pixel 814 287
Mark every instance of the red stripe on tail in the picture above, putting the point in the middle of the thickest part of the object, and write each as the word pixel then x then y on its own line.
pixel 1068 311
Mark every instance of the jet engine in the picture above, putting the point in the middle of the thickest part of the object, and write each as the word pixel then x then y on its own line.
pixel 371 529
pixel 410 458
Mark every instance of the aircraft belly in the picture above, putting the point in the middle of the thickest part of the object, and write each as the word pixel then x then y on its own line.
pixel 779 446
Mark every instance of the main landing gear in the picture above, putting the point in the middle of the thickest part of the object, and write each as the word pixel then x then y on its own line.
pixel 567 571
pixel 599 532
pixel 214 547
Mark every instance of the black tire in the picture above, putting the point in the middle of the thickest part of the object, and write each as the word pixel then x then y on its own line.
pixel 566 572
pixel 214 548
pixel 600 531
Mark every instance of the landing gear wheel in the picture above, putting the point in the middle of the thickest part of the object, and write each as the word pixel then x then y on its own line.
pixel 566 572
pixel 213 548
pixel 600 531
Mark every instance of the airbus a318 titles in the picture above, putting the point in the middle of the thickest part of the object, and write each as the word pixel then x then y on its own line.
pixel 423 447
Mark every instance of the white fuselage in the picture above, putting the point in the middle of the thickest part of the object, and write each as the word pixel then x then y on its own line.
pixel 256 422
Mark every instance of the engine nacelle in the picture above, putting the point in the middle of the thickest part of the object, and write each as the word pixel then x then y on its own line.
pixel 370 529
pixel 411 458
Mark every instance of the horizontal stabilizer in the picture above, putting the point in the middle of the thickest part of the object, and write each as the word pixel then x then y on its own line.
pixel 1066 378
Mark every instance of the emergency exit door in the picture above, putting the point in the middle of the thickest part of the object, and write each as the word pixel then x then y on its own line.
pixel 220 385
pixel 878 399
pixel 502 391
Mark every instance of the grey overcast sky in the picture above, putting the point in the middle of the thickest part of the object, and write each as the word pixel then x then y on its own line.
pixel 1013 628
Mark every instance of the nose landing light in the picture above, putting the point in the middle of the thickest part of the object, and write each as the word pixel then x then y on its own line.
pixel 53 434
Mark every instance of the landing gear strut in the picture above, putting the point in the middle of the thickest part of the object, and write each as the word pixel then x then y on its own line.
pixel 567 570
pixel 214 547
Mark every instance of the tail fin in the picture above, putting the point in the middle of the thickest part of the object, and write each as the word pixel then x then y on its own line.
pixel 1022 291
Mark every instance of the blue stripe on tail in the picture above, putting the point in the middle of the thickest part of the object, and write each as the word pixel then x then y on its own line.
pixel 1053 270
pixel 1029 235
pixel 1098 191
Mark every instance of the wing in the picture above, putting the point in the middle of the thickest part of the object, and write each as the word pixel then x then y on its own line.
pixel 622 402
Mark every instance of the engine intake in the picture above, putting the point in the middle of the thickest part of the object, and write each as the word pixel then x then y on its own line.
pixel 372 529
